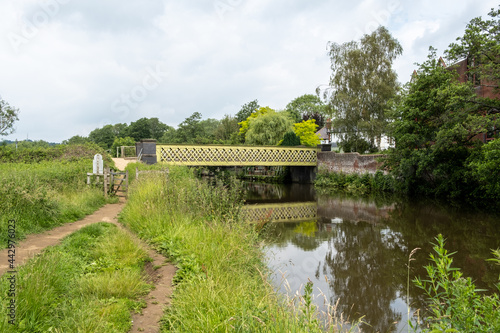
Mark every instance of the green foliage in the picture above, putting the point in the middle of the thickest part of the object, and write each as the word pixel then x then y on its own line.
pixel 89 283
pixel 306 131
pixel 227 130
pixel 307 107
pixel 140 129
pixel 268 128
pixel 42 195
pixel 486 169
pixel 454 302
pixel 104 136
pixel 126 141
pixel 245 124
pixel 222 284
pixel 435 123
pixel 9 153
pixel 246 110
pixel 480 46
pixel 76 140
pixel 362 83
pixel 355 184
pixel 290 139
pixel 8 115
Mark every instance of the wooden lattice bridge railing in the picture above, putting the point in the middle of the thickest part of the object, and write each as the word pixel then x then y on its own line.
pixel 280 212
pixel 212 155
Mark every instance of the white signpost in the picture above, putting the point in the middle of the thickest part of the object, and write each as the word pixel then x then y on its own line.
pixel 98 166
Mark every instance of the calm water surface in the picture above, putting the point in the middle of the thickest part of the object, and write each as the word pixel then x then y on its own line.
pixel 355 251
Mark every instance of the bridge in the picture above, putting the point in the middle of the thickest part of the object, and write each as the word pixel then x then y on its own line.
pixel 218 155
pixel 280 212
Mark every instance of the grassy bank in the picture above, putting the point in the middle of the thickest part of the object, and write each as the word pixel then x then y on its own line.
pixel 222 282
pixel 44 187
pixel 40 196
pixel 89 283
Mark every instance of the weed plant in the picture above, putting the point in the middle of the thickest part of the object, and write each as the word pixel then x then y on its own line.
pixel 221 282
pixel 455 305
pixel 40 196
pixel 89 283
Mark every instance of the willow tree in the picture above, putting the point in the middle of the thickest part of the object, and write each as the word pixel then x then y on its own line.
pixel 362 83
pixel 268 128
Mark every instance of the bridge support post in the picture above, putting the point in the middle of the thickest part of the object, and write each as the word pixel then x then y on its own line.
pixel 147 149
pixel 303 174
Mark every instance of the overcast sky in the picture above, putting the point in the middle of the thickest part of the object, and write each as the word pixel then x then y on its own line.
pixel 71 66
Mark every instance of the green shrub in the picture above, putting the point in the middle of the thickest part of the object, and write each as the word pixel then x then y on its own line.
pixel 454 303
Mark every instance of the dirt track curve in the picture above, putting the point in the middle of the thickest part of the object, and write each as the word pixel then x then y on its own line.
pixel 157 299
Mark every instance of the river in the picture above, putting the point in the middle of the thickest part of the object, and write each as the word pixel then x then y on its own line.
pixel 355 250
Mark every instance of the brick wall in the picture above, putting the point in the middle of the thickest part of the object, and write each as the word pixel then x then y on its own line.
pixel 348 162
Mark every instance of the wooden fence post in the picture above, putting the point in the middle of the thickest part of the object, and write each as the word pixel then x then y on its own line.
pixel 126 184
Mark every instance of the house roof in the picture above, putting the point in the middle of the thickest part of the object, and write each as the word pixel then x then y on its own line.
pixel 323 134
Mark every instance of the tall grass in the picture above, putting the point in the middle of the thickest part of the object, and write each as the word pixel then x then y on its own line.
pixel 40 196
pixel 222 281
pixel 89 283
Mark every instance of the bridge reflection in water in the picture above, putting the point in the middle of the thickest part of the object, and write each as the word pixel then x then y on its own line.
pixel 280 212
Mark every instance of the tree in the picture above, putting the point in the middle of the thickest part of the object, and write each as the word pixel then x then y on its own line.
pixel 307 107
pixel 157 128
pixel 120 130
pixel 76 140
pixel 362 82
pixel 118 142
pixel 189 129
pixel 480 46
pixel 290 139
pixel 227 130
pixel 245 124
pixel 169 136
pixel 246 110
pixel 268 128
pixel 8 115
pixel 435 124
pixel 306 131
pixel 104 137
pixel 140 129
pixel 207 129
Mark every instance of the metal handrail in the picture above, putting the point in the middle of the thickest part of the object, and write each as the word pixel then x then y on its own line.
pixel 139 157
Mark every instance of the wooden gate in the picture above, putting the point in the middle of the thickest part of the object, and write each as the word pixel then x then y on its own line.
pixel 116 183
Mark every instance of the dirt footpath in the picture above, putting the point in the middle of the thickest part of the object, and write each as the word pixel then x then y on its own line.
pixel 121 163
pixel 160 272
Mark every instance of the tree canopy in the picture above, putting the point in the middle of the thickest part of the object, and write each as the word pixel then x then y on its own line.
pixel 268 128
pixel 362 82
pixel 8 115
pixel 435 125
pixel 306 131
pixel 307 107
pixel 246 110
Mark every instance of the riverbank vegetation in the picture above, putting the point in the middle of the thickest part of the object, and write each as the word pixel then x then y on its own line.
pixel 89 283
pixel 45 187
pixel 455 304
pixel 222 283
pixel 354 184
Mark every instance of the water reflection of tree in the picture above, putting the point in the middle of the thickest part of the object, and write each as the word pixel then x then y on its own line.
pixel 367 263
pixel 306 235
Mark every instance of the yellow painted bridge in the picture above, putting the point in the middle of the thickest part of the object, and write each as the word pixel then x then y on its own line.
pixel 214 155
